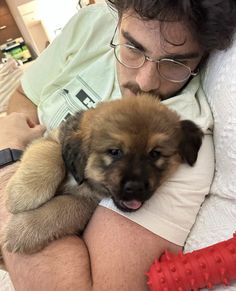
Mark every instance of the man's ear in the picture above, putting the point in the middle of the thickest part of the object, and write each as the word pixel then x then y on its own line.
pixel 191 141
pixel 74 152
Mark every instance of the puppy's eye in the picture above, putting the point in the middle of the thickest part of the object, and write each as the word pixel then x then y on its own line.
pixel 115 153
pixel 155 154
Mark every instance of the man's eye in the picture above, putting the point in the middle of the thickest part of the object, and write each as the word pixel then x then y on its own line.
pixel 133 49
pixel 155 154
pixel 183 62
pixel 115 153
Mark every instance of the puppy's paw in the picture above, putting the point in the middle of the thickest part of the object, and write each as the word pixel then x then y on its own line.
pixel 25 234
pixel 38 177
pixel 16 201
pixel 18 197
pixel 27 193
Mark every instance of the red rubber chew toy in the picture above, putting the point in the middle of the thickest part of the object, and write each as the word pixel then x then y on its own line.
pixel 203 268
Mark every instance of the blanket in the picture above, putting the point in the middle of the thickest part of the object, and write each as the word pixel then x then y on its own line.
pixel 10 73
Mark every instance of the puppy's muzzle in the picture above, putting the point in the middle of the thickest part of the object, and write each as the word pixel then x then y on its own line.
pixel 134 188
pixel 133 195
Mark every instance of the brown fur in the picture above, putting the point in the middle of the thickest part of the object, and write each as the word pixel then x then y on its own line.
pixel 124 149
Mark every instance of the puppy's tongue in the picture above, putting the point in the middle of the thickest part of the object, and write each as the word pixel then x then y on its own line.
pixel 132 204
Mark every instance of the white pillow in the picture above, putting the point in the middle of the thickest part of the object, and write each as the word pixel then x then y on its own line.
pixel 219 84
pixel 217 216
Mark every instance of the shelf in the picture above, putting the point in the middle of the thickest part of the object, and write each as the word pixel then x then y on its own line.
pixel 13 44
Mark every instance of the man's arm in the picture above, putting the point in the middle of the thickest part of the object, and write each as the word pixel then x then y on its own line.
pixel 20 103
pixel 114 255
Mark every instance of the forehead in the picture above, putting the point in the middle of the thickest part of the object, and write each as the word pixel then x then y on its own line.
pixel 159 37
pixel 137 125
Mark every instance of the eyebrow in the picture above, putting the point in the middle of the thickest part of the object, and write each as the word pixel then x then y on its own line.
pixel 138 45
pixel 134 42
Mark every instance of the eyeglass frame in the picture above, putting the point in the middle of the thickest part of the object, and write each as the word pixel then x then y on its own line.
pixel 147 58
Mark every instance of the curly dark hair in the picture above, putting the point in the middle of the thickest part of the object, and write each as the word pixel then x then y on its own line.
pixel 212 22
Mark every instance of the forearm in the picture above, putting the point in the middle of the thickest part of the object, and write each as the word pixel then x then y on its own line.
pixel 5 174
pixel 110 258
pixel 19 102
pixel 63 265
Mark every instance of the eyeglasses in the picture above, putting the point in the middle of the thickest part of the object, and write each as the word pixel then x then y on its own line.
pixel 133 58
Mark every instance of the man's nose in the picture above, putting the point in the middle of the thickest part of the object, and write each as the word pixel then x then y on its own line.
pixel 148 77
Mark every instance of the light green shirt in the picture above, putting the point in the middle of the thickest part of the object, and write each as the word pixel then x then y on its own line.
pixel 78 70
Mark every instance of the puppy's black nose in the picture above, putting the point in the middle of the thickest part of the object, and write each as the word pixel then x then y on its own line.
pixel 134 187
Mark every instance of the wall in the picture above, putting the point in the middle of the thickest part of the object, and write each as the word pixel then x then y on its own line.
pixel 39 35
pixel 54 14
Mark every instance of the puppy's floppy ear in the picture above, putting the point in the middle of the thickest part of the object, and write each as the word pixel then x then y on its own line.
pixel 191 141
pixel 74 153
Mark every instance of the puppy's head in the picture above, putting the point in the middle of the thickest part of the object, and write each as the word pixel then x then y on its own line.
pixel 129 147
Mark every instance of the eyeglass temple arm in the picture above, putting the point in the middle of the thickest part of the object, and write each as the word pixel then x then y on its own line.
pixel 195 73
pixel 111 42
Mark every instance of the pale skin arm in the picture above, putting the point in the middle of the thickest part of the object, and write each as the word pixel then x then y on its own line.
pixel 119 251
pixel 113 254
pixel 20 103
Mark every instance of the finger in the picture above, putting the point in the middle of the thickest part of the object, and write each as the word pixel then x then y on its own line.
pixel 39 129
pixel 30 123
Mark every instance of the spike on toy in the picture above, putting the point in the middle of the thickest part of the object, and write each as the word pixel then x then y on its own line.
pixel 188 272
pixel 202 268
pixel 209 285
pixel 192 282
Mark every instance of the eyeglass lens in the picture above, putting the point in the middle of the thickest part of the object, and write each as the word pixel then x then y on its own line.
pixel 168 69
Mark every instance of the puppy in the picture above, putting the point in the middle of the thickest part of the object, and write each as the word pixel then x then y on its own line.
pixel 123 149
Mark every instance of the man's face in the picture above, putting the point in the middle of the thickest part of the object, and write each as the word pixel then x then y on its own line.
pixel 156 40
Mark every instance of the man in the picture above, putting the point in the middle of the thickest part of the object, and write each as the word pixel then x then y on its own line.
pixel 159 47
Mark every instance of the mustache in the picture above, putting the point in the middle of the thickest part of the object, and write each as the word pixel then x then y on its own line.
pixel 135 89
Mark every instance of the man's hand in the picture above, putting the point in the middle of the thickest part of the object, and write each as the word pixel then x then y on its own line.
pixel 17 131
